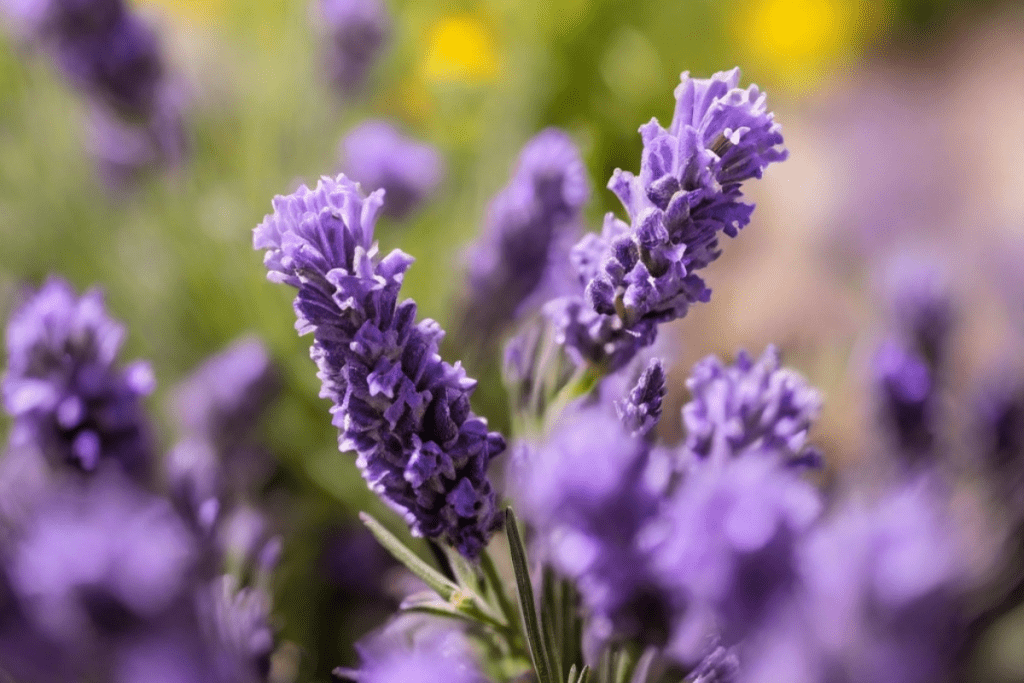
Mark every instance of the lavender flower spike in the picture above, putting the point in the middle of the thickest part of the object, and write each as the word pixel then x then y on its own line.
pixel 377 155
pixel 687 192
pixel 63 389
pixel 403 410
pixel 750 406
pixel 531 224
pixel 640 410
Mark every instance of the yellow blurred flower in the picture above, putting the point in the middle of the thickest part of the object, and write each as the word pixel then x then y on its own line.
pixel 460 49
pixel 799 41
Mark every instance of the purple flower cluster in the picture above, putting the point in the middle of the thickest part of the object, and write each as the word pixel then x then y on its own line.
pixel 377 156
pixel 356 31
pixel 403 410
pixel 684 546
pixel 101 579
pixel 758 407
pixel 530 225
pixel 883 595
pixel 113 57
pixel 64 389
pixel 639 274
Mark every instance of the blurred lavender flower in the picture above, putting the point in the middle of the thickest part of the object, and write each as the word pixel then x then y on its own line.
pixel 377 156
pixel 726 543
pixel 402 409
pixel 125 149
pixel 100 559
pixel 922 306
pixel 721 666
pixel 588 491
pixel 641 409
pixel 687 192
pixel 217 408
pixel 415 651
pixel 222 398
pixel 63 389
pixel 884 589
pixel 355 32
pixel 530 225
pixel 905 392
pixel 750 407
pixel 236 625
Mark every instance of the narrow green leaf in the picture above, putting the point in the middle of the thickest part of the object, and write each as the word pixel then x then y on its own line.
pixel 572 675
pixel 526 599
pixel 550 621
pixel 625 661
pixel 497 587
pixel 584 674
pixel 430 576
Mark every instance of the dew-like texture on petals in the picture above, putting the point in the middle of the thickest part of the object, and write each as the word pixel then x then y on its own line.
pixel 66 393
pixel 403 410
pixel 377 156
pixel 751 406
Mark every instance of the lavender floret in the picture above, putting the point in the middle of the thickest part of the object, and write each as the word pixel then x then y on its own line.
pixel 688 191
pixel 530 226
pixel 64 389
pixel 750 406
pixel 403 410
pixel 641 409
pixel 378 156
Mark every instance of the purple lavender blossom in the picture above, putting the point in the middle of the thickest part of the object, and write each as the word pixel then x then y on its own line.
pixel 922 306
pixel 596 338
pixel 355 33
pixel 98 559
pixel 750 407
pixel 236 624
pixel 687 192
pixel 415 650
pixel 124 150
pixel 589 490
pixel 377 156
pixel 721 666
pixel 403 410
pixel 906 397
pixel 726 544
pixel 222 398
pixel 641 409
pixel 530 225
pixel 884 593
pixel 67 396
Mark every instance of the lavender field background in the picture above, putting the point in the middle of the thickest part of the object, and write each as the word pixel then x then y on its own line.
pixel 903 122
